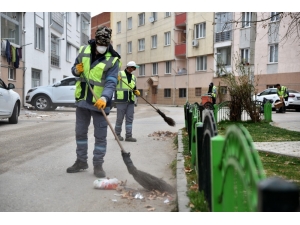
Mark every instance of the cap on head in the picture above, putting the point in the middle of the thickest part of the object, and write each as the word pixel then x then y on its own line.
pixel 132 64
pixel 103 35
pixel 277 85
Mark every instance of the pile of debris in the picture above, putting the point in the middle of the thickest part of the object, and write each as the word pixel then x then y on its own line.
pixel 162 135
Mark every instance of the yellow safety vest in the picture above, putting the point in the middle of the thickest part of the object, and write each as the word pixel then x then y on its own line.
pixel 96 76
pixel 122 90
pixel 282 92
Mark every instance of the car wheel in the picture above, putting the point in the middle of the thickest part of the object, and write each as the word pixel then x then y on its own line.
pixel 15 115
pixel 42 103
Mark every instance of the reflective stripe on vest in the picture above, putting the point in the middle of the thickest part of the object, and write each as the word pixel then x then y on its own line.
pixel 122 88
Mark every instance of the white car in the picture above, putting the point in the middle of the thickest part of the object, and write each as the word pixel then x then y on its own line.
pixel 294 100
pixel 9 102
pixel 269 94
pixel 50 96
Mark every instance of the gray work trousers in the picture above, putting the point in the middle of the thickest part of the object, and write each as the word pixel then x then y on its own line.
pixel 123 109
pixel 83 119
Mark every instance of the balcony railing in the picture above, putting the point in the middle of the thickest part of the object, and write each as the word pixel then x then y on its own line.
pixel 180 49
pixel 223 36
pixel 180 19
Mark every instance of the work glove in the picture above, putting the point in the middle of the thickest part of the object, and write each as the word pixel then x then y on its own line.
pixel 119 77
pixel 100 103
pixel 137 93
pixel 79 68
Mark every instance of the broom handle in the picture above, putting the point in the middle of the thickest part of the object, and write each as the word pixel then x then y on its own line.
pixel 140 96
pixel 110 126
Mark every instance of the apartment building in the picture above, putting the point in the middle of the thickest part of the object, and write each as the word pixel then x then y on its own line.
pixel 49 43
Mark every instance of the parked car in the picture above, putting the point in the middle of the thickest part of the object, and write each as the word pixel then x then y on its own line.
pixel 51 96
pixel 9 103
pixel 269 94
pixel 294 100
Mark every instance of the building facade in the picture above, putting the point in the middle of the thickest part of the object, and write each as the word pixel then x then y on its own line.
pixel 49 43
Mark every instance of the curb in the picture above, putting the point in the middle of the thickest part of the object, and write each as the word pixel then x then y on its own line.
pixel 182 199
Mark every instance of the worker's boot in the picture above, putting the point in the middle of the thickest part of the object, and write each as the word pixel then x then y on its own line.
pixel 131 139
pixel 98 171
pixel 120 137
pixel 78 165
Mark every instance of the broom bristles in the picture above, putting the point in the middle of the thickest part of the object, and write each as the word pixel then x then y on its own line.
pixel 168 120
pixel 146 180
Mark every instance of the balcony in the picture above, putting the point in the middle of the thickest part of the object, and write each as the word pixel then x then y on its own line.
pixel 180 49
pixel 223 36
pixel 180 19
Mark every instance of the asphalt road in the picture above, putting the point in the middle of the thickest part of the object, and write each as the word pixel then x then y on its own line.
pixel 35 153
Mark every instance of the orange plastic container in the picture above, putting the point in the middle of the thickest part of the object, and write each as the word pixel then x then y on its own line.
pixel 205 98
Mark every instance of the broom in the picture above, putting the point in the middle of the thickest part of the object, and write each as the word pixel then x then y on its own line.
pixel 168 120
pixel 146 180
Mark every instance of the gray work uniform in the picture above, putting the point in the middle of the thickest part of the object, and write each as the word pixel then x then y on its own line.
pixel 126 108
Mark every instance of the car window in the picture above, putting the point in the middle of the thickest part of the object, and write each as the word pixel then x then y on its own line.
pixel 265 92
pixel 273 91
pixel 293 91
pixel 68 82
pixel 2 85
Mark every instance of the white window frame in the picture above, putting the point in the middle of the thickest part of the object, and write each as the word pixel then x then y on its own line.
pixel 35 78
pixel 200 30
pixel 119 27
pixel 167 14
pixel 245 55
pixel 154 68
pixel 224 56
pixel 168 67
pixel 129 23
pixel 142 70
pixel 141 44
pixel 246 18
pixel 129 47
pixel 273 53
pixel 201 63
pixel 11 73
pixel 68 17
pixel 39 38
pixel 141 19
pixel 275 18
pixel 118 49
pixel 154 41
pixel 168 38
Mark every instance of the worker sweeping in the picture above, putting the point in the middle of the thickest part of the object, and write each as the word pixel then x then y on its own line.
pixel 124 99
pixel 97 66
pixel 282 93
pixel 212 89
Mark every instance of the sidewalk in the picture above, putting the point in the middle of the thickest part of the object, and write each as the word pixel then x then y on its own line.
pixel 289 120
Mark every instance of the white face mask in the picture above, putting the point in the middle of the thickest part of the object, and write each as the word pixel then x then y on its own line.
pixel 101 49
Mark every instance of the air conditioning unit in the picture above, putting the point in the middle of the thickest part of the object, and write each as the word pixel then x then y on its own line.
pixel 195 43
pixel 151 19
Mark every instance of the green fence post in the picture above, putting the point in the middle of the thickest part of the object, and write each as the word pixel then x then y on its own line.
pixel 193 135
pixel 217 144
pixel 268 112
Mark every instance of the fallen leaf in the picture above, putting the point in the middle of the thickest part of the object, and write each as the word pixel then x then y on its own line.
pixel 151 209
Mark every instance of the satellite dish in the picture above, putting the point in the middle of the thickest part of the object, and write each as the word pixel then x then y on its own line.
pixel 151 19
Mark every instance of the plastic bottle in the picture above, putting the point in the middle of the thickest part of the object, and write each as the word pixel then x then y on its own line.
pixel 106 184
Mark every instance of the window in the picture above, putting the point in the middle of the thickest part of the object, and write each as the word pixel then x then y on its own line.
pixel 274 53
pixel 168 67
pixel 197 91
pixel 119 27
pixel 223 90
pixel 245 55
pixel 182 92
pixel 167 14
pixel 201 63
pixel 246 19
pixel 129 23
pixel 129 47
pixel 224 56
pixel 142 70
pixel 167 93
pixel 119 49
pixel 10 27
pixel 154 41
pixel 154 15
pixel 68 56
pixel 200 30
pixel 77 21
pixel 11 74
pixel 167 38
pixel 141 44
pixel 39 38
pixel 68 17
pixel 55 58
pixel 274 16
pixel 141 19
pixel 35 78
pixel 154 68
